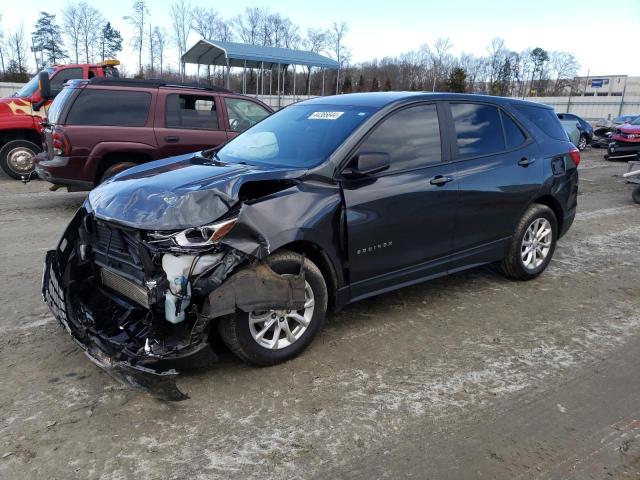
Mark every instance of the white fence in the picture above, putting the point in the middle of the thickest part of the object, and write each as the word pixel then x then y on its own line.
pixel 8 88
pixel 592 108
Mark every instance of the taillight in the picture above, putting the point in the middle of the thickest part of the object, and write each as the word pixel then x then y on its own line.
pixel 60 143
pixel 575 156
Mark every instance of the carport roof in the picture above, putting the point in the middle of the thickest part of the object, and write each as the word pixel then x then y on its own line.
pixel 214 52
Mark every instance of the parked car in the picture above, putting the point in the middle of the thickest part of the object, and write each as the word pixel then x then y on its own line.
pixel 586 130
pixel 21 114
pixel 605 128
pixel 324 203
pixel 573 131
pixel 100 127
pixel 625 142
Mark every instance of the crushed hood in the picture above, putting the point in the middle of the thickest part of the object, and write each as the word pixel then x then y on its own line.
pixel 178 192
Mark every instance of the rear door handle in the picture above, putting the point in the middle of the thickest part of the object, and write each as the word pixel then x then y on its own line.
pixel 172 139
pixel 523 162
pixel 440 180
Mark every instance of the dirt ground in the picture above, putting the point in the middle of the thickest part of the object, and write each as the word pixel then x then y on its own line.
pixel 471 376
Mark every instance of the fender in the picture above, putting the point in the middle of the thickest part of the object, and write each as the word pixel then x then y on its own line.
pixel 101 149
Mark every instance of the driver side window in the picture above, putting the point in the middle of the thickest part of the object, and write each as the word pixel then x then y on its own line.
pixel 244 113
pixel 411 137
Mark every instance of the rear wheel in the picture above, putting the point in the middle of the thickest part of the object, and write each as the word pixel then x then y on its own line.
pixel 532 244
pixel 16 158
pixel 274 336
pixel 115 169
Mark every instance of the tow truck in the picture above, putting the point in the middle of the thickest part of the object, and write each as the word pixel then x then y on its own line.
pixel 22 113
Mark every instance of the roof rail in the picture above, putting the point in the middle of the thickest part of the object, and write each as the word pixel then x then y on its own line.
pixel 151 83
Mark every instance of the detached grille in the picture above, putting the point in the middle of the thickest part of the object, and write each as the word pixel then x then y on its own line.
pixel 125 287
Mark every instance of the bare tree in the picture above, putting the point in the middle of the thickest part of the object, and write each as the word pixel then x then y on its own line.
pixel 250 25
pixel 17 47
pixel 137 20
pixel 316 41
pixel 151 43
pixel 337 34
pixel 90 22
pixel 205 22
pixel 564 67
pixel 181 21
pixel 71 27
pixel 440 60
pixel 160 36
pixel 2 48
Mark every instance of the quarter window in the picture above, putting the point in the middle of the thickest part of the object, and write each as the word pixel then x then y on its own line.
pixel 244 113
pixel 478 129
pixel 411 137
pixel 110 107
pixel 513 133
pixel 191 111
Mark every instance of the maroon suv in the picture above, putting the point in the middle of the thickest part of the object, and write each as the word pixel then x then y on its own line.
pixel 98 128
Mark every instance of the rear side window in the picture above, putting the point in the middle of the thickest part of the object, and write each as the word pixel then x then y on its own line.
pixel 191 111
pixel 513 133
pixel 478 129
pixel 545 119
pixel 110 108
pixel 411 137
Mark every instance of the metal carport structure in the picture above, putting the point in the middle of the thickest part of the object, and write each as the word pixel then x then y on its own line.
pixel 243 55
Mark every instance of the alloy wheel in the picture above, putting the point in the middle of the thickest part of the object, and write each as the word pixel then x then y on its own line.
pixel 277 329
pixel 536 243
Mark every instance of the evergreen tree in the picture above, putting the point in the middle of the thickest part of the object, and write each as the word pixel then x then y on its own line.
pixel 346 84
pixel 361 87
pixel 110 42
pixel 457 80
pixel 387 85
pixel 47 38
pixel 375 85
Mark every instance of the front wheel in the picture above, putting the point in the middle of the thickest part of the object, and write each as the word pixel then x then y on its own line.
pixel 274 336
pixel 532 244
pixel 582 142
pixel 16 158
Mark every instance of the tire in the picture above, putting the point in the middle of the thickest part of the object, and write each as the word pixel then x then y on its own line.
pixel 16 158
pixel 514 265
pixel 582 142
pixel 636 194
pixel 115 169
pixel 236 330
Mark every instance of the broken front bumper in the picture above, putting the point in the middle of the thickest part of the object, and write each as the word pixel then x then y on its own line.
pixel 161 384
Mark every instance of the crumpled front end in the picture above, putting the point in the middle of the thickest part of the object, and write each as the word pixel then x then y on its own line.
pixel 142 307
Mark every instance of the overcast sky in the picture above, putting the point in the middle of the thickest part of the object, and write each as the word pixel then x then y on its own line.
pixel 603 38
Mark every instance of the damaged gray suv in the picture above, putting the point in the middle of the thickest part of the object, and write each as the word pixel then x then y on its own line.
pixel 322 204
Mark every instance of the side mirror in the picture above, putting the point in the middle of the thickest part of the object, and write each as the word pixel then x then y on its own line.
pixel 45 86
pixel 367 163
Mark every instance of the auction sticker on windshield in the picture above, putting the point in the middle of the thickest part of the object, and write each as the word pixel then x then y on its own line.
pixel 325 115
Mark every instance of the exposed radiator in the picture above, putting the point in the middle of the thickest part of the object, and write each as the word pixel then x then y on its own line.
pixel 130 290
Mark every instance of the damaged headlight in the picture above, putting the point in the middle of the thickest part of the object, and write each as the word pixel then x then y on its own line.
pixel 205 235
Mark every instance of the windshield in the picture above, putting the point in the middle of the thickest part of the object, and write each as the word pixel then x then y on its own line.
pixel 30 87
pixel 299 136
pixel 636 121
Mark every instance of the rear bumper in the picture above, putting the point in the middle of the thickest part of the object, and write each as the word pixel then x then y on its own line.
pixel 67 171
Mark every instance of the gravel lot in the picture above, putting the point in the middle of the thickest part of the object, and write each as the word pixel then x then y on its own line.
pixel 470 376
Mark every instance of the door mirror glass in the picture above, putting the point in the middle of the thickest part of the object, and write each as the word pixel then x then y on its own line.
pixel 367 163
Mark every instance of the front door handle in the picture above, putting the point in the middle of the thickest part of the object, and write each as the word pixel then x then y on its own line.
pixel 440 180
pixel 524 161
pixel 172 139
